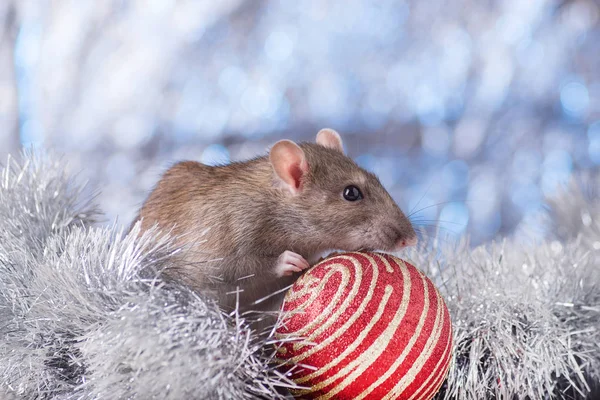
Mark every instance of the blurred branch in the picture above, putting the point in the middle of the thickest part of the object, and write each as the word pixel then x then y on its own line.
pixel 9 110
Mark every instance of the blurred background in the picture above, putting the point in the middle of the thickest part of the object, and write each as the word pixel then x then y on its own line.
pixel 469 111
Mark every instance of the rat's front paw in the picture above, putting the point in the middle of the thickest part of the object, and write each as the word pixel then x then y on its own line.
pixel 290 262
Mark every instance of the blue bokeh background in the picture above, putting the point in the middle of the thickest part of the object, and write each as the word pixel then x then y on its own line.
pixel 469 111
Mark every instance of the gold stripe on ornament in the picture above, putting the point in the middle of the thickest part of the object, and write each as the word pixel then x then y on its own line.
pixel 322 320
pixel 341 330
pixel 357 366
pixel 417 366
pixel 304 285
pixel 335 335
pixel 408 347
pixel 388 267
pixel 435 373
pixel 448 348
pixel 357 342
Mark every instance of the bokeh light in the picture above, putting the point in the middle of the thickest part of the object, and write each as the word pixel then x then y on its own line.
pixel 470 112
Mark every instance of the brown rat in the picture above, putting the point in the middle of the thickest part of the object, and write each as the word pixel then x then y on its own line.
pixel 253 225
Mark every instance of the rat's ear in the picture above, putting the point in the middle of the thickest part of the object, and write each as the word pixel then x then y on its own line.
pixel 289 162
pixel 330 138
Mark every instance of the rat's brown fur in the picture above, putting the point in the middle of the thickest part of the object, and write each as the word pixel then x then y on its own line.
pixel 237 219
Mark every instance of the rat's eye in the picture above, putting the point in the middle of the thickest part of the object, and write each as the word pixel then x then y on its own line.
pixel 352 193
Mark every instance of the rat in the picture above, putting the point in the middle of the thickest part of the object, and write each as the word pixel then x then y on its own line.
pixel 248 229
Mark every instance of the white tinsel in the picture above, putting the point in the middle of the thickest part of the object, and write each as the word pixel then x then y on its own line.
pixel 526 317
pixel 84 313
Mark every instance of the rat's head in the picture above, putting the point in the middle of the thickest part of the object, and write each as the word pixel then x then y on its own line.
pixel 337 204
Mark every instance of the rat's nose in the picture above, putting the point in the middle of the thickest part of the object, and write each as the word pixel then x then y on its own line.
pixel 405 242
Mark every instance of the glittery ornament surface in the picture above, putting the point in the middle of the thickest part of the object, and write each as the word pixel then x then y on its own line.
pixel 373 327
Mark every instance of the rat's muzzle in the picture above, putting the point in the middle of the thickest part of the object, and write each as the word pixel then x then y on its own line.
pixel 405 242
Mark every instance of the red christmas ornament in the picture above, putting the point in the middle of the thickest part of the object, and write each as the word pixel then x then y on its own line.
pixel 373 327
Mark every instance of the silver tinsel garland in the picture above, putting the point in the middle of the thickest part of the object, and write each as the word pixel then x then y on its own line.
pixel 525 319
pixel 526 316
pixel 84 313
